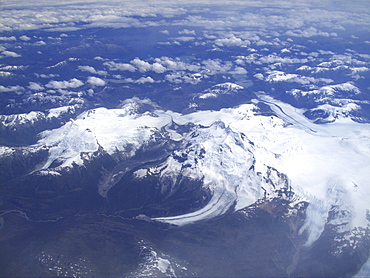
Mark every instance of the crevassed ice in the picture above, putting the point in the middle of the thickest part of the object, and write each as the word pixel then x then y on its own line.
pixel 316 158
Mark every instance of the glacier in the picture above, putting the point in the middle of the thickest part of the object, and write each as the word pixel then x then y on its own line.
pixel 232 150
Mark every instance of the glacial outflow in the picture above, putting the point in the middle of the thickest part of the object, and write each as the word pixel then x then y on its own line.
pixel 240 156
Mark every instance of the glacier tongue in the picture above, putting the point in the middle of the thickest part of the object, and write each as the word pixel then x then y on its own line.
pixel 317 159
pixel 224 160
pixel 231 150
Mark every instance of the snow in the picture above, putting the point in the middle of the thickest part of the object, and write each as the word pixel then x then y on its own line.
pixel 20 119
pixel 221 158
pixel 156 264
pixel 141 173
pixel 57 112
pixel 163 265
pixel 32 117
pixel 220 89
pixel 316 158
pixel 113 129
pixel 6 150
pixel 338 112
pixel 329 90
pixel 327 165
pixel 277 76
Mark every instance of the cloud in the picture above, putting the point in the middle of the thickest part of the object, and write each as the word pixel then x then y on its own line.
pixel 272 59
pixel 12 38
pixel 141 80
pixel 216 66
pixel 143 66
pixel 279 76
pixel 35 86
pixel 187 32
pixel 166 32
pixel 50 75
pixel 309 32
pixel 158 68
pixel 259 59
pixel 259 76
pixel 232 41
pixel 40 43
pixel 183 39
pixel 92 70
pixel 10 54
pixel 147 79
pixel 10 88
pixel 182 76
pixel 295 15
pixel 176 64
pixel 96 81
pixel 239 70
pixel 119 66
pixel 73 83
pixel 24 38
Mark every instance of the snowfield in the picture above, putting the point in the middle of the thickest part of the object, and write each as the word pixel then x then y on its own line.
pixel 327 165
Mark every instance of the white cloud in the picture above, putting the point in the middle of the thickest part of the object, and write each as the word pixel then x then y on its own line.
pixel 184 39
pixel 158 68
pixel 231 41
pixel 259 76
pixel 141 80
pixel 73 83
pixel 50 75
pixel 239 70
pixel 10 88
pixel 176 77
pixel 309 32
pixel 166 32
pixel 176 64
pixel 40 43
pixel 147 79
pixel 216 66
pixel 259 59
pixel 24 38
pixel 187 32
pixel 141 65
pixel 182 76
pixel 120 66
pixel 144 66
pixel 12 38
pixel 96 81
pixel 295 15
pixel 279 76
pixel 324 52
pixel 10 54
pixel 272 59
pixel 35 86
pixel 92 70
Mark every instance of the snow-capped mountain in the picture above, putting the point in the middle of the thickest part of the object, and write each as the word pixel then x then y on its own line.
pixel 184 138
pixel 221 95
pixel 23 128
pixel 227 88
pixel 237 156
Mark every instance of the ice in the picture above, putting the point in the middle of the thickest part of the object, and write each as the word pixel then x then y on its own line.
pixel 112 129
pixel 317 159
pixel 365 270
